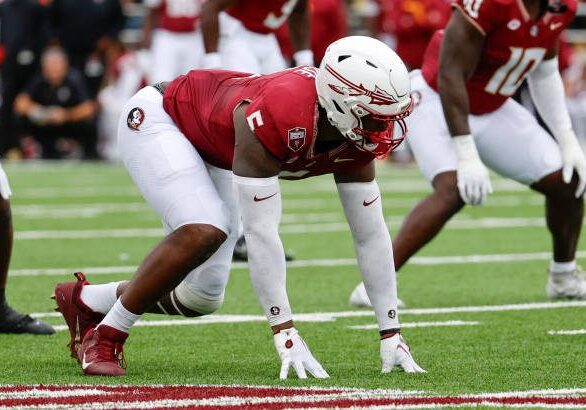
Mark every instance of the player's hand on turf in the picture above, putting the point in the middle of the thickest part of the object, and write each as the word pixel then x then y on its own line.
pixel 473 179
pixel 394 352
pixel 572 159
pixel 294 353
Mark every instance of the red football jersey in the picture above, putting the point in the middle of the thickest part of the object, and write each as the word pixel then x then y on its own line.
pixel 514 45
pixel 412 23
pixel 262 16
pixel 282 113
pixel 328 24
pixel 177 15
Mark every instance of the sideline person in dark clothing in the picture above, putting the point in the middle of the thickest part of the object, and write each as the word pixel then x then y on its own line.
pixel 84 29
pixel 56 104
pixel 24 31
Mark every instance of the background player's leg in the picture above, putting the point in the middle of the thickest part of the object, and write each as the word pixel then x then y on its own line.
pixel 519 148
pixel 12 321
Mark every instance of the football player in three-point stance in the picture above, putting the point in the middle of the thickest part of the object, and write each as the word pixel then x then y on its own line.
pixel 240 34
pixel 12 321
pixel 488 48
pixel 208 149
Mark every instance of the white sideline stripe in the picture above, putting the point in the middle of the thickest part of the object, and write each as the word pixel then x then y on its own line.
pixel 60 211
pixel 420 324
pixel 481 223
pixel 332 316
pixel 567 332
pixel 304 263
pixel 41 393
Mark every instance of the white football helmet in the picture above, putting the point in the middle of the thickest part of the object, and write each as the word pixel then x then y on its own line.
pixel 364 87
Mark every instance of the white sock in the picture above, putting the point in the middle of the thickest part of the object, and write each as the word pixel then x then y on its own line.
pixel 120 318
pixel 100 298
pixel 560 267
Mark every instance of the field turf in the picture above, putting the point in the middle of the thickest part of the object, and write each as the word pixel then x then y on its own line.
pixel 90 217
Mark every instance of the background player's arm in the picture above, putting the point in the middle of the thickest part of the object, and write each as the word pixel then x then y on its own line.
pixel 461 49
pixel 299 31
pixel 547 90
pixel 210 27
pixel 150 23
pixel 460 53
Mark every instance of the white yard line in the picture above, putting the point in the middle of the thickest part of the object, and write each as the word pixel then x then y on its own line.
pixel 303 263
pixel 332 316
pixel 567 332
pixel 460 223
pixel 446 323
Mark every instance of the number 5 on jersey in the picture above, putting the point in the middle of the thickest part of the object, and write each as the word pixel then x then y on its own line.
pixel 255 120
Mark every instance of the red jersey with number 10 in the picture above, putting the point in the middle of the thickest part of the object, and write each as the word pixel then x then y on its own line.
pixel 262 16
pixel 514 45
pixel 282 113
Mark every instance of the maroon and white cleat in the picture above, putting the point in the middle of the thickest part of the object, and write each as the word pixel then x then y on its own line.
pixel 78 316
pixel 101 351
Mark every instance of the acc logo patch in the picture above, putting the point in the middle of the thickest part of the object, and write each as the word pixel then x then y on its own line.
pixel 135 118
pixel 296 138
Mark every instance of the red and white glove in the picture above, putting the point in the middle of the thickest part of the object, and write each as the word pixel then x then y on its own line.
pixel 294 352
pixel 394 352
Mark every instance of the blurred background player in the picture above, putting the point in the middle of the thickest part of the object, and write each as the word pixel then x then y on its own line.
pixel 329 22
pixel 56 104
pixel 12 321
pixel 24 32
pixel 171 31
pixel 470 71
pixel 409 24
pixel 239 34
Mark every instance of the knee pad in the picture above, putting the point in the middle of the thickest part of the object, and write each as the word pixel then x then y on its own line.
pixel 196 302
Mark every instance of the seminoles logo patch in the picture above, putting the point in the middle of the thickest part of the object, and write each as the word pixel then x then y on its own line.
pixel 135 118
pixel 296 138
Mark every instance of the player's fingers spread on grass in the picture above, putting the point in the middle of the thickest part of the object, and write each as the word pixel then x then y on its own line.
pixel 284 369
pixel 316 369
pixel 462 189
pixel 299 369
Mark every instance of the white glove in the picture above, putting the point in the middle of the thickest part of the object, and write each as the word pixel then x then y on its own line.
pixel 294 352
pixel 303 57
pixel 395 352
pixel 473 180
pixel 212 61
pixel 572 159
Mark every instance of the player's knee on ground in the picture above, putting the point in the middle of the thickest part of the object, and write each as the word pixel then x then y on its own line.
pixel 196 303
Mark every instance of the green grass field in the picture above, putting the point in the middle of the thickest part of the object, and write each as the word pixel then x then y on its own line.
pixel 506 350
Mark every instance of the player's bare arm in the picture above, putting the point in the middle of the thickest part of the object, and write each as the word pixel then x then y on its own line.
pixel 259 197
pixel 547 90
pixel 299 31
pixel 210 28
pixel 460 54
pixel 364 174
